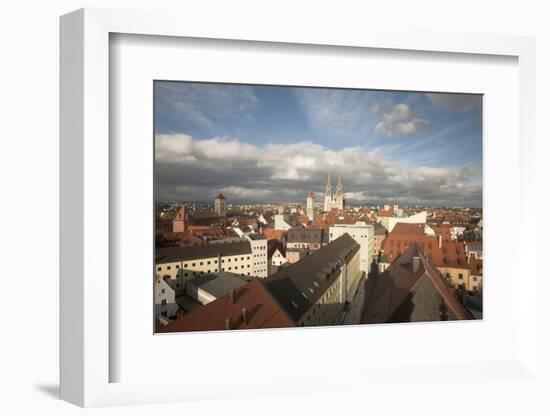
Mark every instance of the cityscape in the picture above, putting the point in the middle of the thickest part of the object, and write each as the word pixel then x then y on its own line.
pixel 280 207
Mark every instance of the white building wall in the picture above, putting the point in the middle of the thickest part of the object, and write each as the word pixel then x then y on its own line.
pixel 165 299
pixel 363 234
pixel 309 209
pixel 278 259
pixel 281 222
pixel 419 218
pixel 259 266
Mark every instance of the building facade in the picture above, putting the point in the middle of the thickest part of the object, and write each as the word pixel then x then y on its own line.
pixel 362 233
pixel 219 205
pixel 259 264
pixel 165 298
pixel 310 207
pixel 185 263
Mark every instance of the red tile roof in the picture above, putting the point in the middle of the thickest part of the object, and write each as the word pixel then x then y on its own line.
pixel 272 234
pixel 395 284
pixel 263 311
pixel 402 228
pixel 385 213
pixel 450 254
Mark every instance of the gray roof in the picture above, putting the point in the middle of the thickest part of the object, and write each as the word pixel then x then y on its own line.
pixel 304 282
pixel 174 254
pixel 304 235
pixel 411 289
pixel 256 236
pixel 218 284
pixel 379 229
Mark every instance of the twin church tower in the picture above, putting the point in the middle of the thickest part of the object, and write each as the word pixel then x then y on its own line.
pixel 332 201
pixel 335 200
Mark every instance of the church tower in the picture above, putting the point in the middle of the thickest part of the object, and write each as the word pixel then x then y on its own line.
pixel 328 195
pixel 339 194
pixel 219 205
pixel 309 207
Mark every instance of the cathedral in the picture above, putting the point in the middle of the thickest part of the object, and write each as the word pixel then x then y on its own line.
pixel 334 200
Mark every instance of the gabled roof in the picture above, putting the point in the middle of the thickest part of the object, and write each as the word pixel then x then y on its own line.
pixel 389 291
pixel 299 286
pixel 273 246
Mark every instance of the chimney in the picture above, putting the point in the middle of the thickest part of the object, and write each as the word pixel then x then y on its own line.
pixel 415 263
pixel 245 316
pixel 228 323
pixel 439 239
pixel 219 263
pixel 232 295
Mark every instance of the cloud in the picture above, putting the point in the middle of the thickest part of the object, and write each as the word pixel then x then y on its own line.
pixel 195 170
pixel 338 112
pixel 455 103
pixel 191 104
pixel 401 121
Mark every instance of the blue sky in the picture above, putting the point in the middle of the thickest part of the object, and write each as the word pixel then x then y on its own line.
pixel 410 147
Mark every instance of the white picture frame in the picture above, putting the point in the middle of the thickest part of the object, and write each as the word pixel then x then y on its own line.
pixel 85 208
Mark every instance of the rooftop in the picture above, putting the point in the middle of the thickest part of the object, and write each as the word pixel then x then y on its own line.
pixel 389 298
pixel 402 228
pixel 174 254
pixel 217 284
pixel 299 286
pixel 262 311
pixel 304 235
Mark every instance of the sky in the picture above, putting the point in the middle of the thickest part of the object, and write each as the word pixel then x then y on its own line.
pixel 259 143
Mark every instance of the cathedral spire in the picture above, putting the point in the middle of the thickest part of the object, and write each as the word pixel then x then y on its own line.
pixel 328 189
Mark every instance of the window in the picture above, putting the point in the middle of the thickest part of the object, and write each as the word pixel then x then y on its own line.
pixel 163 291
pixel 163 302
pixel 177 266
pixel 474 278
pixel 159 269
pixel 460 275
pixel 185 265
pixel 208 262
pixel 168 267
pixel 193 264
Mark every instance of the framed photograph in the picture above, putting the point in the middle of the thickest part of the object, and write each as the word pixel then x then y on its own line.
pixel 280 245
pixel 230 197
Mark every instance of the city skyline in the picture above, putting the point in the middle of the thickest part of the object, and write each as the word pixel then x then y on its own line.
pixel 260 144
